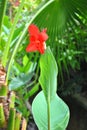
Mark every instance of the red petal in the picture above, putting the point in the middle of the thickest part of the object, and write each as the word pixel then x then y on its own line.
pixel 43 36
pixel 37 39
pixel 33 30
pixel 33 38
pixel 31 47
pixel 41 51
pixel 42 47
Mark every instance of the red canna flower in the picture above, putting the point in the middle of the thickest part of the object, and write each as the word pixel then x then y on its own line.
pixel 37 39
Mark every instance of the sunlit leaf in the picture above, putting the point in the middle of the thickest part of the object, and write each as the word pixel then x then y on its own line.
pixel 59 113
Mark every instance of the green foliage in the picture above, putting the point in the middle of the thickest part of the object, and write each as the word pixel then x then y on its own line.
pixel 7 46
pixel 67 30
pixel 21 106
pixel 24 84
pixel 66 27
pixel 60 15
pixel 4 34
pixel 30 93
pixel 47 106
pixel 20 81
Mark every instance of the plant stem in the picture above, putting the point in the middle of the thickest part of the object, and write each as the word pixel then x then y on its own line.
pixel 22 36
pixel 48 111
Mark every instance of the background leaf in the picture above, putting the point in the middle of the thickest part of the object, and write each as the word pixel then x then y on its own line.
pixel 48 76
pixel 20 81
pixel 59 113
pixel 60 15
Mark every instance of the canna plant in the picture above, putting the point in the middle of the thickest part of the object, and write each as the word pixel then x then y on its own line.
pixel 49 111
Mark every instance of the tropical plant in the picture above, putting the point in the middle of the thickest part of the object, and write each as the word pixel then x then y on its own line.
pixel 47 100
pixel 63 20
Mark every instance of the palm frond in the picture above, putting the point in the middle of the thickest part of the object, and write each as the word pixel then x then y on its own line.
pixel 60 13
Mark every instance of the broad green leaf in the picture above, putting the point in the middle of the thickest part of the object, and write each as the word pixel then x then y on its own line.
pixel 59 113
pixel 20 81
pixel 48 76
